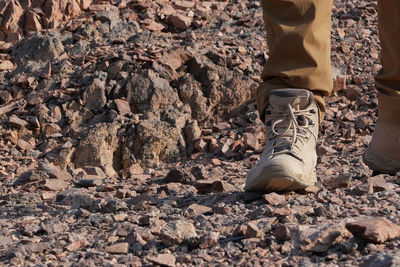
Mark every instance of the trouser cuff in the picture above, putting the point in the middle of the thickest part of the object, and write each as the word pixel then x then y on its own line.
pixel 389 109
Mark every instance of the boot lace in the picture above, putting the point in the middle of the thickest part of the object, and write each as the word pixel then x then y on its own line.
pixel 286 134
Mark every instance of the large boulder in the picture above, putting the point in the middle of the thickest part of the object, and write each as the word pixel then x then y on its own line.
pixel 43 47
pixel 146 91
pixel 225 89
pixel 97 147
pixel 158 139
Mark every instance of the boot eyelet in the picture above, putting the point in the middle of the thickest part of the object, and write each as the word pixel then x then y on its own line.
pixel 313 111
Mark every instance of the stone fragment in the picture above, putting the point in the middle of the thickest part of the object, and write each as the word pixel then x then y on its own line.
pixel 119 248
pixel 165 259
pixel 319 238
pixel 180 22
pixel 5 241
pixel 339 83
pixel 94 171
pixel 42 47
pixel 251 141
pixel 97 148
pixel 94 96
pixel 55 184
pixel 147 91
pixel 377 230
pixel 196 209
pixel 240 230
pixel 179 176
pixel 123 106
pixel 32 21
pixel 382 259
pixel 274 199
pixel 24 145
pixel 283 232
pixel 50 129
pixel 183 4
pixel 77 244
pixel 209 186
pixel 199 172
pixel 6 65
pixel 378 183
pixel 76 198
pixel 200 145
pixel 340 181
pixel 209 240
pixel 88 182
pixel 31 176
pixel 176 232
pixel 258 228
pixel 193 132
pixel 17 122
pixel 62 174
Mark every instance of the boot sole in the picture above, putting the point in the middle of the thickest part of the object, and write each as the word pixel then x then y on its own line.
pixel 267 181
pixel 380 163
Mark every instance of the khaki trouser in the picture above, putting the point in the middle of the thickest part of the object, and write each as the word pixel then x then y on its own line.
pixel 298 35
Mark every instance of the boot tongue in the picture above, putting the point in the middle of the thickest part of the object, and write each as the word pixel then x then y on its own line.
pixel 297 98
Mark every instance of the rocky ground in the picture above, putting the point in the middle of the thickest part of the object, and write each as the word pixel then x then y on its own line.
pixel 127 128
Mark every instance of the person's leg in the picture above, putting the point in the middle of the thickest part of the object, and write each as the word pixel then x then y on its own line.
pixel 383 154
pixel 296 77
pixel 298 35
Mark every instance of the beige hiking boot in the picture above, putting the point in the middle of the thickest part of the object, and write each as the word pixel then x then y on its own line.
pixel 289 159
pixel 383 152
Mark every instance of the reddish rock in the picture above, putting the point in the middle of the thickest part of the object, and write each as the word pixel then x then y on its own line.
pixel 123 106
pixel 196 209
pixel 180 22
pixel 200 145
pixel 32 21
pixel 274 199
pixel 251 141
pixel 6 65
pixel 24 145
pixel 240 230
pixel 119 248
pixel 377 230
pixel 164 259
pixel 55 184
pixel 209 240
pixel 17 122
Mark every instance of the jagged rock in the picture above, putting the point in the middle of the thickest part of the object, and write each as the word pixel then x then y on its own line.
pixel 377 230
pixel 319 238
pixel 158 140
pixel 179 176
pixel 94 96
pixel 97 147
pixel 226 90
pixel 163 260
pixel 119 248
pixel 76 198
pixel 190 93
pixel 43 47
pixel 382 260
pixel 177 232
pixel 31 176
pixel 146 91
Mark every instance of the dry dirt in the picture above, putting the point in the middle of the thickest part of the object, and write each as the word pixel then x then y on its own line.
pixel 127 128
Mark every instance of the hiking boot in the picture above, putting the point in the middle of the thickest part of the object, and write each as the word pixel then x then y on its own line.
pixel 383 152
pixel 289 159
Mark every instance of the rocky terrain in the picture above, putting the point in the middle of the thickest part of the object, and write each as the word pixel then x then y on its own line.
pixel 127 128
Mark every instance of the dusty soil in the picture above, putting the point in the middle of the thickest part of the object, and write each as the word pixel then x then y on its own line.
pixel 127 129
